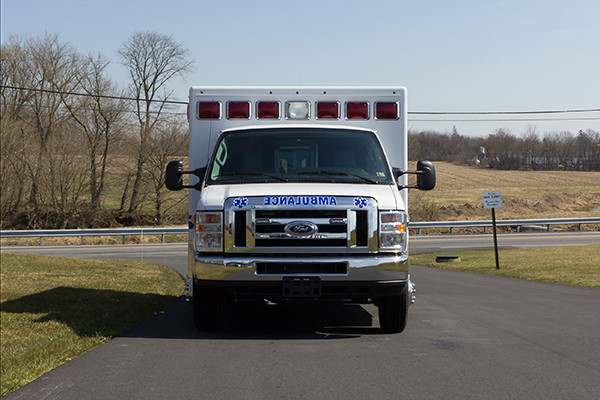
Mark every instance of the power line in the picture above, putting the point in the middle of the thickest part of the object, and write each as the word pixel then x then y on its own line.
pixel 91 109
pixel 505 119
pixel 503 112
pixel 92 95
pixel 409 112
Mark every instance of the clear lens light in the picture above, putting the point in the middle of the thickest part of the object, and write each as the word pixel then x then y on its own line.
pixel 209 231
pixel 297 110
pixel 393 234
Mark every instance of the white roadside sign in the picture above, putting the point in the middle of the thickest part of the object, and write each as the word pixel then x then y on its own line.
pixel 492 200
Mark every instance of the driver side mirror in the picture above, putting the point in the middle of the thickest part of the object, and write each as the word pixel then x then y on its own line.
pixel 425 176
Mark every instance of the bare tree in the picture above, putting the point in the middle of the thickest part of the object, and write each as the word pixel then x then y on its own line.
pixel 51 68
pixel 168 141
pixel 531 148
pixel 152 60
pixel 100 118
pixel 502 149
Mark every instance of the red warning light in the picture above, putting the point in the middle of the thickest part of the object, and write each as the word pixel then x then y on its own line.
pixel 328 109
pixel 238 109
pixel 209 109
pixel 386 110
pixel 357 110
pixel 268 109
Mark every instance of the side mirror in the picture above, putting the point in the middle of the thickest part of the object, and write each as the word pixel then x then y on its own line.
pixel 173 175
pixel 174 180
pixel 426 177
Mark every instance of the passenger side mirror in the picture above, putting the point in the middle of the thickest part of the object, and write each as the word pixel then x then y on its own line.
pixel 173 175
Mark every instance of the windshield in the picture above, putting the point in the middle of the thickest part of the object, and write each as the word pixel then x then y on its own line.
pixel 299 155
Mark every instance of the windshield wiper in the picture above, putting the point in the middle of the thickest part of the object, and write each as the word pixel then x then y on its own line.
pixel 238 174
pixel 340 173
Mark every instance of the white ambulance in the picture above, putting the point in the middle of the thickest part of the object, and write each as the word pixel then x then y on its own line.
pixel 298 193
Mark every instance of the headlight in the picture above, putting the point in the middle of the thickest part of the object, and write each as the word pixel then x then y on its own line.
pixel 209 231
pixel 393 230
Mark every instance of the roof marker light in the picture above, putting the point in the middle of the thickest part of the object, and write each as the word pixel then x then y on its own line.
pixel 297 109
pixel 209 109
pixel 328 109
pixel 357 110
pixel 384 110
pixel 238 109
pixel 268 109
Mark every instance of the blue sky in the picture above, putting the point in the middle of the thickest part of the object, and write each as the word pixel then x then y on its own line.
pixel 484 55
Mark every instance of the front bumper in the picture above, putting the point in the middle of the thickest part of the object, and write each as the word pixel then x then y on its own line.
pixel 352 277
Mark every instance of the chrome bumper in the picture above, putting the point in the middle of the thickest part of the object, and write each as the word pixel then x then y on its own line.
pixel 364 278
pixel 364 268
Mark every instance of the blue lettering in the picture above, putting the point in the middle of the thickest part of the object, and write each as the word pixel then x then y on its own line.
pixel 300 200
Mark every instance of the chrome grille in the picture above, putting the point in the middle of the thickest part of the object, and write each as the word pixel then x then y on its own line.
pixel 347 226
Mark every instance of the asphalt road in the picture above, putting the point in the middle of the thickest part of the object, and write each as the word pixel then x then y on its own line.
pixel 468 336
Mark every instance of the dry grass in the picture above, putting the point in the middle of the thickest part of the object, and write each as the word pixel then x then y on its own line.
pixel 525 194
pixel 577 265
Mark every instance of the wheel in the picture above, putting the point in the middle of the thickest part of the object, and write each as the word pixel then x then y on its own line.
pixel 206 310
pixel 393 311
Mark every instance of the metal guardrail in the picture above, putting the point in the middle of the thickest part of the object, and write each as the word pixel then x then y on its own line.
pixel 536 224
pixel 124 232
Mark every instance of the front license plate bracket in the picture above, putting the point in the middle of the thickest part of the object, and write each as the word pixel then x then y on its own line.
pixel 301 286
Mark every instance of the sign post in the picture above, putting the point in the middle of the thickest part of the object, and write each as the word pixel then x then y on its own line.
pixel 493 200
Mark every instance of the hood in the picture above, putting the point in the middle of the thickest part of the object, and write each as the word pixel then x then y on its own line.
pixel 213 197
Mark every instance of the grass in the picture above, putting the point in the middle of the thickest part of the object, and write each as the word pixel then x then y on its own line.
pixel 525 194
pixel 54 309
pixel 576 265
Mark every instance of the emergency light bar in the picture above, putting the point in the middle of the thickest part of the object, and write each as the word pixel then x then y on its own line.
pixel 299 110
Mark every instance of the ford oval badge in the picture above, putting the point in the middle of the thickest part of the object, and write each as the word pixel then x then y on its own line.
pixel 301 228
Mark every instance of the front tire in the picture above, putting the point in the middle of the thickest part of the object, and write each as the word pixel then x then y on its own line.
pixel 393 312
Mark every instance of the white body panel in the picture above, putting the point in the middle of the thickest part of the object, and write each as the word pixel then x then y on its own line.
pixel 204 133
pixel 214 196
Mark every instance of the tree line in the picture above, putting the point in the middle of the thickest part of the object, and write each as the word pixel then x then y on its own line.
pixel 78 150
pixel 72 138
pixel 556 150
